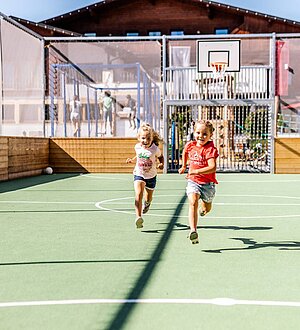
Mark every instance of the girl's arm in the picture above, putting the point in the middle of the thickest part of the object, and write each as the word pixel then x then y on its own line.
pixel 184 161
pixel 210 168
pixel 161 162
pixel 130 160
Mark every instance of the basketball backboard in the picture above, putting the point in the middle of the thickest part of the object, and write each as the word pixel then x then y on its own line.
pixel 218 51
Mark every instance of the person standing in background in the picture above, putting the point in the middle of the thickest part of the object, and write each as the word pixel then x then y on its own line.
pixel 130 103
pixel 107 111
pixel 75 115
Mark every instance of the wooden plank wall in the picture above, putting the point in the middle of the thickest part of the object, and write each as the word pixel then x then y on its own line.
pixel 23 156
pixel 287 155
pixel 28 156
pixel 3 158
pixel 93 155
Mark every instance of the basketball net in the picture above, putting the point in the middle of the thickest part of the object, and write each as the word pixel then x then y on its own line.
pixel 219 69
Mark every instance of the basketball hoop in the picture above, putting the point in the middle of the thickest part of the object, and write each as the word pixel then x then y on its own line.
pixel 219 69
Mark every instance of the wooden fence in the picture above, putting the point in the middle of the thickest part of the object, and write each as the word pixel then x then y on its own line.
pixel 91 155
pixel 287 156
pixel 22 156
pixel 28 156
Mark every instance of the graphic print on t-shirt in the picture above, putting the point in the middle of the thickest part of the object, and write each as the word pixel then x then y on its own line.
pixel 144 162
pixel 197 158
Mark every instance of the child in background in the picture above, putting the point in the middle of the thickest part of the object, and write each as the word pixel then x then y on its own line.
pixel 201 154
pixel 130 103
pixel 107 111
pixel 75 115
pixel 145 171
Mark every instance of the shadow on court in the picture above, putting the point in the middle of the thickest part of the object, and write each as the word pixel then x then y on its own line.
pixel 119 320
pixel 180 226
pixel 252 245
pixel 17 184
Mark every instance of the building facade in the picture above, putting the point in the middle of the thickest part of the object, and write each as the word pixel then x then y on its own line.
pixel 161 17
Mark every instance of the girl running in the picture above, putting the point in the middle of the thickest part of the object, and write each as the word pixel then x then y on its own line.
pixel 145 171
pixel 201 154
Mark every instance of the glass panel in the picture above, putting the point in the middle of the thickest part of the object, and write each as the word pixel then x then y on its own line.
pixel 89 69
pixel 22 87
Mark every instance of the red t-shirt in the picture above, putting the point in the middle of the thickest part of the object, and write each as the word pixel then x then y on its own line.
pixel 198 157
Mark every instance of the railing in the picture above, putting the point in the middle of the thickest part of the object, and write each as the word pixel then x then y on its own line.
pixel 185 83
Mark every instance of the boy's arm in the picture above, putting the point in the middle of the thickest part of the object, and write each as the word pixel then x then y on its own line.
pixel 210 168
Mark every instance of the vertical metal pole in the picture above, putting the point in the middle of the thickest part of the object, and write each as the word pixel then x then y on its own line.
pixel 155 105
pixel 273 119
pixel 150 101
pixel 158 107
pixel 146 99
pixel 96 113
pixel 65 103
pixel 43 76
pixel 165 110
pixel 138 96
pixel 81 112
pixel 74 86
pixel 88 110
pixel 146 109
pixel 52 106
pixel 77 88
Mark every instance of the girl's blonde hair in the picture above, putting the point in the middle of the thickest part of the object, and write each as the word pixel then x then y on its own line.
pixel 145 127
pixel 206 123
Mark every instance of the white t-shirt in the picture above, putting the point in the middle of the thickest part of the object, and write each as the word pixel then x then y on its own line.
pixel 107 103
pixel 75 106
pixel 146 160
pixel 75 109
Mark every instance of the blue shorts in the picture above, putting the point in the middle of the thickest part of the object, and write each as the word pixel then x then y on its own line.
pixel 206 191
pixel 150 183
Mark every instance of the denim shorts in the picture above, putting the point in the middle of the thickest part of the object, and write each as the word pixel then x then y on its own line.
pixel 206 191
pixel 150 183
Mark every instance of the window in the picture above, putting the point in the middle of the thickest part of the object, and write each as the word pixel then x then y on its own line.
pixel 177 33
pixel 154 33
pixel 221 31
pixel 132 34
pixel 8 114
pixel 29 113
pixel 90 34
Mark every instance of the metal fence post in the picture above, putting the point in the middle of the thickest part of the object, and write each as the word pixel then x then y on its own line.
pixel 165 109
pixel 273 119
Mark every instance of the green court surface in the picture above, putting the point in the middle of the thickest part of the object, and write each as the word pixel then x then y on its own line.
pixel 71 257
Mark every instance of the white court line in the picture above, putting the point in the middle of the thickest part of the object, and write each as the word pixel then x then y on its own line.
pixel 157 195
pixel 214 301
pixel 44 202
pixel 218 195
pixel 215 203
pixel 106 178
pixel 183 179
pixel 156 203
pixel 108 201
